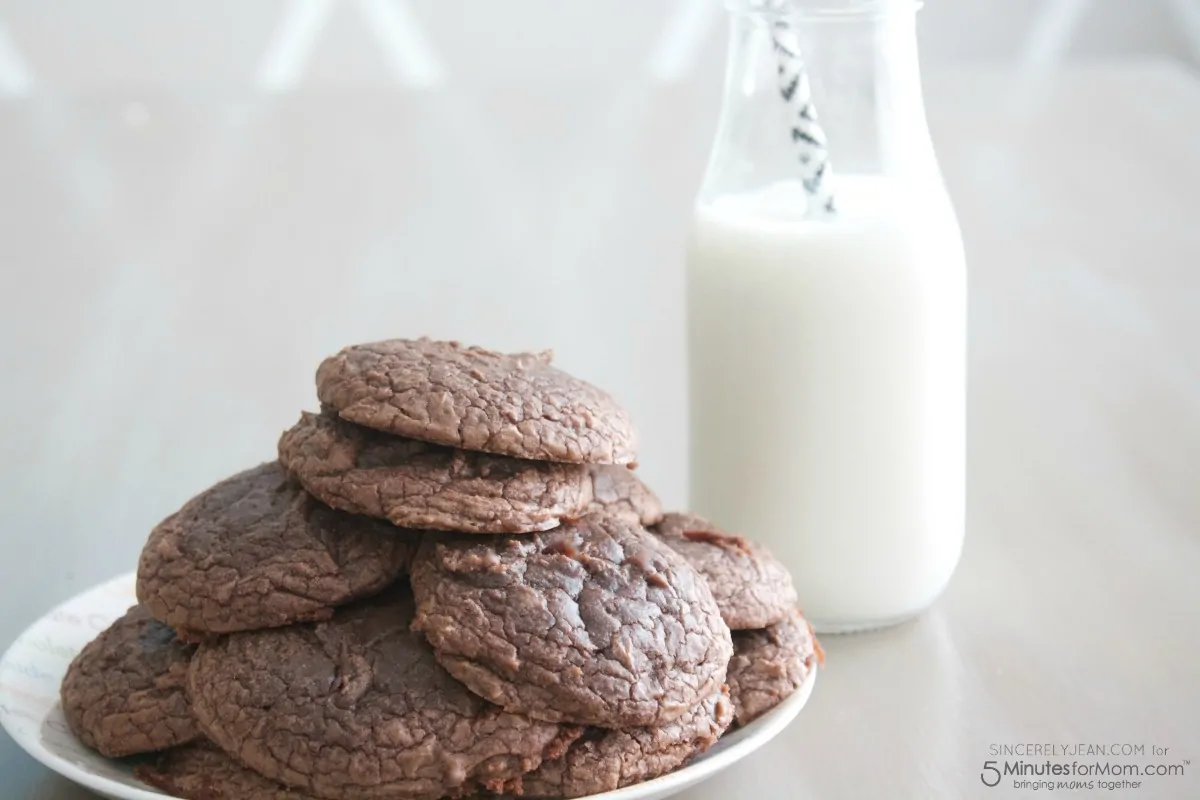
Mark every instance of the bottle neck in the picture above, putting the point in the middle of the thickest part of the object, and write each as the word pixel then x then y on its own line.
pixel 860 60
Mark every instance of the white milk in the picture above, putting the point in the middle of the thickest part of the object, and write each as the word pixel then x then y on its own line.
pixel 827 364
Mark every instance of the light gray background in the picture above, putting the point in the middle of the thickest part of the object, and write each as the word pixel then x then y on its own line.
pixel 198 202
pixel 76 44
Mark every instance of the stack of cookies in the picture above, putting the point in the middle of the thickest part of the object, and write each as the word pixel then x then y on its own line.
pixel 451 582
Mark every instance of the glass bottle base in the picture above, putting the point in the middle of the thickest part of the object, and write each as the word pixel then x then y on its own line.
pixel 833 627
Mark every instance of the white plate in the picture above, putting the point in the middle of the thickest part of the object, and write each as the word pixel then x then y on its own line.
pixel 33 668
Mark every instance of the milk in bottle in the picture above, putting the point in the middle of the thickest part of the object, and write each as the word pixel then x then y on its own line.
pixel 827 351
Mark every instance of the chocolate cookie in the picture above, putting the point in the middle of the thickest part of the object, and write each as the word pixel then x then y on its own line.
pixel 420 485
pixel 203 772
pixel 476 399
pixel 595 622
pixel 752 589
pixel 358 707
pixel 255 551
pixel 617 490
pixel 603 760
pixel 124 692
pixel 769 664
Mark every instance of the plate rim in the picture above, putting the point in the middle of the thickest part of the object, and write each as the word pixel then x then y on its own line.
pixel 757 733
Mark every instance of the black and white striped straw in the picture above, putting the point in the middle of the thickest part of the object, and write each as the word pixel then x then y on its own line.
pixel 812 151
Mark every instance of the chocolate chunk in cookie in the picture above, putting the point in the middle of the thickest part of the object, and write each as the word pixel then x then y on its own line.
pixel 595 622
pixel 255 551
pixel 617 490
pixel 416 484
pixel 124 692
pixel 751 587
pixel 769 664
pixel 476 399
pixel 358 707
pixel 603 760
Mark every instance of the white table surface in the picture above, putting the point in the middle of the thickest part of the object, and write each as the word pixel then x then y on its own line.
pixel 175 265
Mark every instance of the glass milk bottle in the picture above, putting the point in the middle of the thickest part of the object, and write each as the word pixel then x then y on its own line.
pixel 826 292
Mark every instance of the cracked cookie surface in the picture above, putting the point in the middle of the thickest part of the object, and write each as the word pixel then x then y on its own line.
pixel 124 693
pixel 358 707
pixel 416 484
pixel 203 771
pixel 617 490
pixel 751 587
pixel 768 665
pixel 255 551
pixel 602 760
pixel 515 405
pixel 596 622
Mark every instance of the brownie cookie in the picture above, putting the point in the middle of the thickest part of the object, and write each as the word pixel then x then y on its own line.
pixel 124 692
pixel 476 399
pixel 358 707
pixel 595 622
pixel 752 589
pixel 769 664
pixel 617 490
pixel 420 485
pixel 603 760
pixel 203 772
pixel 255 551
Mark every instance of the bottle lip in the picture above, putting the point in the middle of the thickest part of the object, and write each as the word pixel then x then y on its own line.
pixel 824 10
